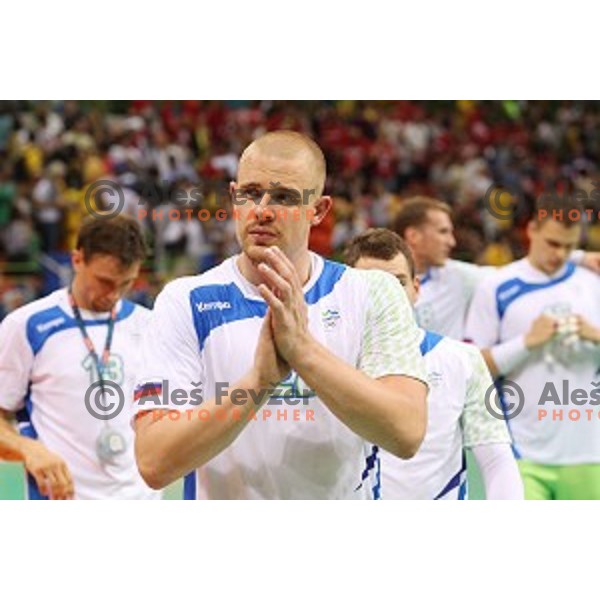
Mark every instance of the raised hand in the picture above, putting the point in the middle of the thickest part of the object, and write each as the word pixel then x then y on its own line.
pixel 587 331
pixel 289 314
pixel 269 368
pixel 542 330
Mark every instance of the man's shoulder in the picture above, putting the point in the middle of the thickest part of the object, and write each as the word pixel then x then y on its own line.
pixel 182 287
pixel 587 276
pixel 464 350
pixel 133 311
pixel 460 358
pixel 335 279
pixel 495 277
pixel 46 307
pixel 363 277
pixel 371 286
pixel 459 266
pixel 516 276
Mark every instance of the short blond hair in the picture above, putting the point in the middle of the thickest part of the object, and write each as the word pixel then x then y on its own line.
pixel 288 144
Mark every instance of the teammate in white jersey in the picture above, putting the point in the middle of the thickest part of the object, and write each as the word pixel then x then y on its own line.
pixel 51 352
pixel 447 286
pixel 538 321
pixel 303 363
pixel 457 417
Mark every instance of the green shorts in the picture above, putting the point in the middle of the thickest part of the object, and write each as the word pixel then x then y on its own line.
pixel 555 482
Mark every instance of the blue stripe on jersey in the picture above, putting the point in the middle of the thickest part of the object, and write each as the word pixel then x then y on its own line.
pixel 426 277
pixel 41 325
pixel 512 289
pixel 376 489
pixel 218 304
pixel 27 429
pixel 429 342
pixel 189 486
pixel 456 481
pixel 44 324
pixel 462 490
pixel 330 275
pixel 33 492
pixel 499 387
pixel 373 464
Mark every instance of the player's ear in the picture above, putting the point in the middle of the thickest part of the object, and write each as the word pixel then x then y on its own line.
pixel 77 259
pixel 532 228
pixel 320 209
pixel 417 286
pixel 411 235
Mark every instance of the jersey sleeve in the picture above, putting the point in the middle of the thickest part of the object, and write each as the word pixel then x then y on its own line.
pixel 16 362
pixel 170 357
pixel 478 425
pixel 391 337
pixel 471 276
pixel 483 322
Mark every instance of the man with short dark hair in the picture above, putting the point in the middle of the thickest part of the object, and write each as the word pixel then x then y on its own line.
pixel 68 355
pixel 457 416
pixel 537 321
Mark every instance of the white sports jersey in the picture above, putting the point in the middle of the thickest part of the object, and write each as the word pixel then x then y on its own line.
pixel 445 296
pixel 45 370
pixel 205 330
pixel 504 308
pixel 457 418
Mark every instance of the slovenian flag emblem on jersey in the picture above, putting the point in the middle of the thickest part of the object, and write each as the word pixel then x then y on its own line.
pixel 147 389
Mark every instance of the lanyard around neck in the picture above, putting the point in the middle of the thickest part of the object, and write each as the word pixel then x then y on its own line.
pixel 100 364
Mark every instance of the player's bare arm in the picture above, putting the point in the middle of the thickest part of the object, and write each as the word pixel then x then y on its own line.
pixel 50 472
pixel 508 355
pixel 166 450
pixel 591 261
pixel 389 411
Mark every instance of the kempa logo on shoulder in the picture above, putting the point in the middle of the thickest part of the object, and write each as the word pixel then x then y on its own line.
pixel 511 291
pixel 204 306
pixel 50 324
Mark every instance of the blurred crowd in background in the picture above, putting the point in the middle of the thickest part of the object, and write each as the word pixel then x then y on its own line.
pixel 378 154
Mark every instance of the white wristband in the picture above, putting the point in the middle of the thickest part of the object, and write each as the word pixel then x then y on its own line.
pixel 509 355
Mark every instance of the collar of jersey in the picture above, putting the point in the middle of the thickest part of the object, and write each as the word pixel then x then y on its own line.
pixel 87 315
pixel 427 276
pixel 534 275
pixel 251 291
